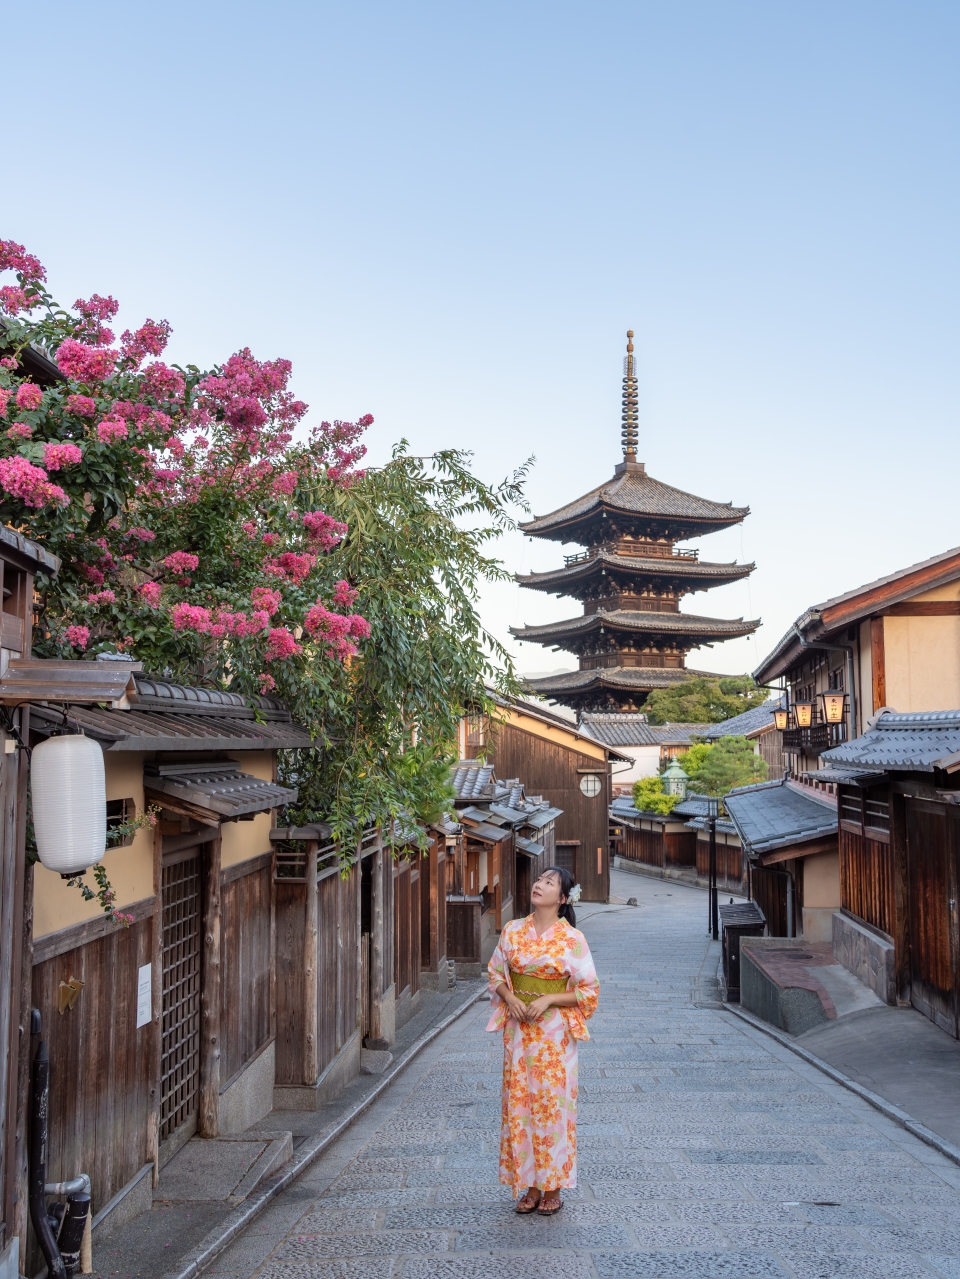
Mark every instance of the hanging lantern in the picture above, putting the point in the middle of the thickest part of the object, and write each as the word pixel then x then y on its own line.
pixel 780 717
pixel 69 797
pixel 832 703
pixel 803 714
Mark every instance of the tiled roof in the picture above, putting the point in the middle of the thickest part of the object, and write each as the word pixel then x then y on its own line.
pixel 631 678
pixel 632 729
pixel 749 722
pixel 472 779
pixel 658 565
pixel 779 814
pixel 217 785
pixel 623 619
pixel 137 730
pixel 919 741
pixel 633 491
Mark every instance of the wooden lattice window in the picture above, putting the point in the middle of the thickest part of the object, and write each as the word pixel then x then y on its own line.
pixel 866 812
pixel 181 964
pixel 118 812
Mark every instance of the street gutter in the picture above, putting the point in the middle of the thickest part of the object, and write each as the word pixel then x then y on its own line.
pixel 210 1247
pixel 887 1108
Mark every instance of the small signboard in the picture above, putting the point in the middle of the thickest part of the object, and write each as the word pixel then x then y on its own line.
pixel 144 996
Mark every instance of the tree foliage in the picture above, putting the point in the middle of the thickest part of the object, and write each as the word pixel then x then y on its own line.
pixel 701 700
pixel 728 763
pixel 650 797
pixel 198 535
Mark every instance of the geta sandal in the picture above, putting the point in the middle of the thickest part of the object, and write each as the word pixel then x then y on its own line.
pixel 527 1203
pixel 549 1204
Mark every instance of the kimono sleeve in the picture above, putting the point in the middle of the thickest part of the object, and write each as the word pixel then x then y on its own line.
pixel 583 982
pixel 498 970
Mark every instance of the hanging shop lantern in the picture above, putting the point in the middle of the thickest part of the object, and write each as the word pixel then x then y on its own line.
pixel 781 717
pixel 803 714
pixel 69 797
pixel 832 704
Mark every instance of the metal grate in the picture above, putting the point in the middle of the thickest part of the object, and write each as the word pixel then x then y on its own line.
pixel 180 1051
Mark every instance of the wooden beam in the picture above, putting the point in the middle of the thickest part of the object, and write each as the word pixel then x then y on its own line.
pixel 311 1058
pixel 901 895
pixel 377 957
pixel 181 806
pixel 878 663
pixel 924 608
pixel 798 851
pixel 208 1117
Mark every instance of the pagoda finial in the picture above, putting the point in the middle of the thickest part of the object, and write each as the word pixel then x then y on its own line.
pixel 630 411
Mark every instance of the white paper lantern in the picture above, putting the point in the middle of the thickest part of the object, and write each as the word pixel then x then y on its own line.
pixel 69 803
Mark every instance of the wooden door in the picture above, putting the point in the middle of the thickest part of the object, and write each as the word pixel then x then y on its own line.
pixel 181 961
pixel 932 875
pixel 566 854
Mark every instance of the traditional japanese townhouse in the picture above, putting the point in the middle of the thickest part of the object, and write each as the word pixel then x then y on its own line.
pixel 898 924
pixel 675 845
pixel 167 1027
pixel 759 727
pixel 632 637
pixel 894 642
pixel 572 772
pixel 650 746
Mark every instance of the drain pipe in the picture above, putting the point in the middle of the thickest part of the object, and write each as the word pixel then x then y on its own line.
pixel 39 1099
pixel 78 1221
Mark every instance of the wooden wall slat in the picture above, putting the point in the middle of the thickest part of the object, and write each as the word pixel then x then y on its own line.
pixel 867 887
pixel 290 980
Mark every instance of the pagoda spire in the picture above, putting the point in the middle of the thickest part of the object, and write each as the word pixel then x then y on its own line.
pixel 630 411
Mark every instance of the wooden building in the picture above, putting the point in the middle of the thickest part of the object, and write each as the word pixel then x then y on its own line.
pixel 899 834
pixel 572 772
pixel 632 637
pixel 675 845
pixel 650 746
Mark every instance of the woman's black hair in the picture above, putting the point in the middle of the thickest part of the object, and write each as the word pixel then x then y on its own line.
pixel 567 881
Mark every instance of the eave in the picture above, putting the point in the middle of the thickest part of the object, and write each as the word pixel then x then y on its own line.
pixel 685 572
pixel 670 625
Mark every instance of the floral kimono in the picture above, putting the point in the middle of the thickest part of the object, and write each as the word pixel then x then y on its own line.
pixel 538 1136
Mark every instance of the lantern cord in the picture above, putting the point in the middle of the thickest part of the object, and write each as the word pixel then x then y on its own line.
pixel 9 726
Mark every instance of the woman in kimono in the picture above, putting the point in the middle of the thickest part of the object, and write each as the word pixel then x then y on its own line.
pixel 543 987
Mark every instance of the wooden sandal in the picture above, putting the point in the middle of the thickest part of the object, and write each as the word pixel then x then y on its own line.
pixel 550 1203
pixel 527 1203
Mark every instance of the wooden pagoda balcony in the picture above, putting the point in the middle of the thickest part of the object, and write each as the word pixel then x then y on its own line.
pixel 816 739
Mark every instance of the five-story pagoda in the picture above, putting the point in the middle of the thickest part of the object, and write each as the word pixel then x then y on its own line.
pixel 632 637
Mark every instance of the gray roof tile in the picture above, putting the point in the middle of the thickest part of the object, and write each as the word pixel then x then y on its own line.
pixel 632 729
pixel 778 814
pixel 918 741
pixel 633 620
pixel 749 722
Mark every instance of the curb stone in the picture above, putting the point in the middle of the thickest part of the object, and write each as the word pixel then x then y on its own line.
pixel 886 1108
pixel 210 1247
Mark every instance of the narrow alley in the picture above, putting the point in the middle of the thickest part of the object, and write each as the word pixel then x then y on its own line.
pixel 706 1150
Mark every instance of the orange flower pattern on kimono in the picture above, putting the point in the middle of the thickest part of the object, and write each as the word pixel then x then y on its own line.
pixel 538 1135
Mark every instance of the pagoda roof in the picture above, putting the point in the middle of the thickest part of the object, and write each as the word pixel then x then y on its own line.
pixel 623 619
pixel 673 566
pixel 633 492
pixel 628 679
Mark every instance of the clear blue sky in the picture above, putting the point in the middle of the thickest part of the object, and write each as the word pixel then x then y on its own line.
pixel 448 215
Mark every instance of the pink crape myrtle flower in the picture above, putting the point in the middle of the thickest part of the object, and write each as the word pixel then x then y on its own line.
pixel 141 534
pixel 190 617
pixel 78 636
pixel 92 574
pixel 112 429
pixel 150 593
pixel 102 597
pixel 13 299
pixel 20 431
pixel 84 363
pixel 29 397
pixel 291 566
pixel 286 483
pixel 266 599
pixel 29 483
pixel 93 312
pixel 82 405
pixel 335 631
pixel 249 529
pixel 267 683
pixel 57 455
pixel 281 644
pixel 150 339
pixel 14 257
pixel 344 595
pixel 163 382
pixel 5 394
pixel 324 530
pixel 181 562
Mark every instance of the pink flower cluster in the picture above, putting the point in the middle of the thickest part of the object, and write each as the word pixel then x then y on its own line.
pixel 112 429
pixel 29 397
pixel 13 299
pixel 5 394
pixel 78 636
pixel 324 530
pixel 286 483
pixel 82 405
pixel 281 644
pixel 56 456
pixel 341 442
pixel 291 566
pixel 29 483
pixel 335 631
pixel 266 599
pixel 84 363
pixel 93 312
pixel 20 431
pixel 14 257
pixel 181 562
pixel 192 617
pixel 102 597
pixel 344 596
pixel 141 534
pixel 162 382
pixel 267 683
pixel 150 593
pixel 150 339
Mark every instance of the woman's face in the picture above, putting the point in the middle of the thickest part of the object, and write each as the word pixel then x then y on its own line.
pixel 546 893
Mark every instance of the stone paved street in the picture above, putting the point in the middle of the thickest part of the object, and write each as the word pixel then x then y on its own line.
pixel 706 1150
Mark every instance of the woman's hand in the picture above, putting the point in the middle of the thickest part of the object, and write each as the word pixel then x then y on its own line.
pixel 537 1009
pixel 518 1009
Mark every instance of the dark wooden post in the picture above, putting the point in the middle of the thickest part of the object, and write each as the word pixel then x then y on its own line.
pixel 156 960
pixel 311 1059
pixel 377 944
pixel 901 893
pixel 208 1118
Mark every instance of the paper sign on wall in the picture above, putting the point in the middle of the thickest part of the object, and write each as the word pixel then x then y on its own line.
pixel 144 996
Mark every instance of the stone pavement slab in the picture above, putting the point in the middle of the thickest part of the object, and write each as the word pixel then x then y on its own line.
pixel 707 1151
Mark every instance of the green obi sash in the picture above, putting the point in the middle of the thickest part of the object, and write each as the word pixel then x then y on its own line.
pixel 528 988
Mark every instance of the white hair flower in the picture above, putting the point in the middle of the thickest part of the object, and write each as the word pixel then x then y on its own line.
pixel 574 895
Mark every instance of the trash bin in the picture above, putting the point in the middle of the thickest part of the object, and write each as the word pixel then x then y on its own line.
pixel 744 920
